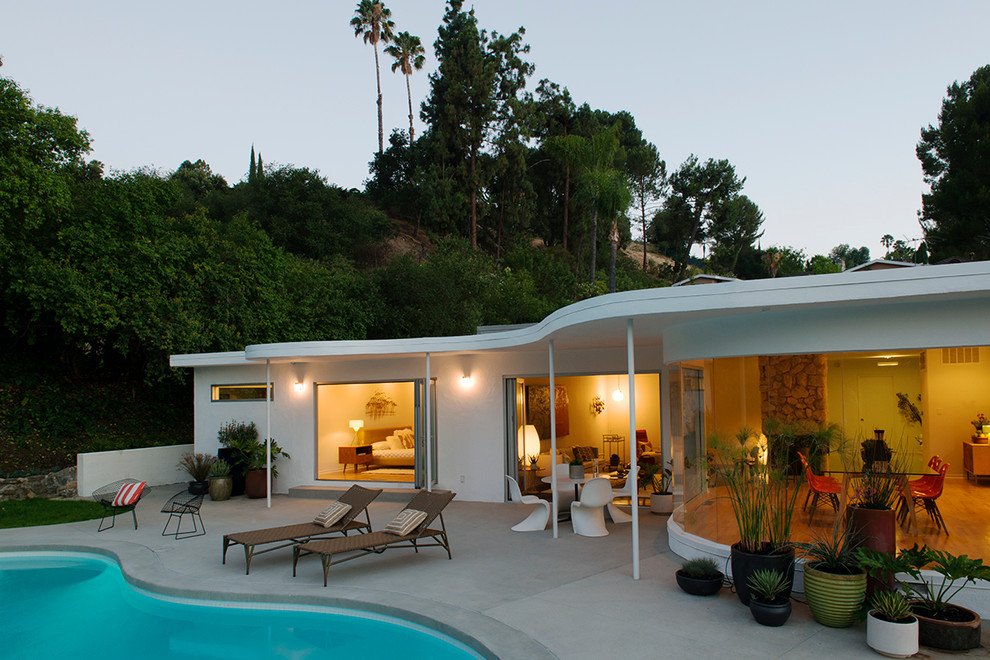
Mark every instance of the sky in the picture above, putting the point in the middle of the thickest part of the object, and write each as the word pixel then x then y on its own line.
pixel 818 105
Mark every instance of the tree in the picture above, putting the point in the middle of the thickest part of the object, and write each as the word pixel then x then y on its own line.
pixel 373 22
pixel 473 100
pixel 734 226
pixel 408 54
pixel 647 177
pixel 784 261
pixel 820 265
pixel 849 257
pixel 696 192
pixel 955 160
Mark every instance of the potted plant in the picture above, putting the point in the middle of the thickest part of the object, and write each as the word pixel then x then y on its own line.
pixel 941 624
pixel 870 513
pixel 763 498
pixel 700 577
pixel 834 583
pixel 658 477
pixel 238 443
pixel 576 469
pixel 770 601
pixel 221 483
pixel 197 466
pixel 254 478
pixel 891 629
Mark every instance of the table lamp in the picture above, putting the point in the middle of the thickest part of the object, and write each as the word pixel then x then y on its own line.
pixel 356 424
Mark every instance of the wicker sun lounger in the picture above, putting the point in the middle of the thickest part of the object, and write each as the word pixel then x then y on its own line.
pixel 432 503
pixel 358 497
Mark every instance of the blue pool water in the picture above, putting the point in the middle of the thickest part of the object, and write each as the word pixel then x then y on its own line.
pixel 74 605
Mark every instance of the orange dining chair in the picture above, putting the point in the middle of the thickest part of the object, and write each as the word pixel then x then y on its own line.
pixel 926 496
pixel 819 486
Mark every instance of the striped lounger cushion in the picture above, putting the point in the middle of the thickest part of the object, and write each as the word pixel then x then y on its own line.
pixel 128 494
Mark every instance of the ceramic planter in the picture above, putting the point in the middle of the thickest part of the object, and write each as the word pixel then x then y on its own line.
pixel 960 635
pixel 872 528
pixel 834 599
pixel 745 564
pixel 661 503
pixel 220 488
pixel 699 586
pixel 894 639
pixel 770 614
pixel 576 471
pixel 254 484
pixel 198 487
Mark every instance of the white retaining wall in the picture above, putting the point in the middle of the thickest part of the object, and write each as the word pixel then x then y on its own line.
pixel 156 465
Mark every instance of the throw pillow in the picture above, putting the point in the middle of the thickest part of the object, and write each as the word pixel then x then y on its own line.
pixel 330 515
pixel 394 442
pixel 379 446
pixel 128 494
pixel 405 522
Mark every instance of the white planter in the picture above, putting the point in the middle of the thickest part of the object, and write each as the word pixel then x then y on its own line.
pixel 576 472
pixel 661 503
pixel 894 640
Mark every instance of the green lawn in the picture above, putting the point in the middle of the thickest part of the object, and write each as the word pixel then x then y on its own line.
pixel 29 513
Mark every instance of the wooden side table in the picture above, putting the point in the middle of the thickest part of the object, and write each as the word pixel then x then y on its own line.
pixel 354 455
pixel 976 459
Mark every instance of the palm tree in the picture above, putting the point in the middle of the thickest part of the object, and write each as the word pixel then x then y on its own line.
pixel 373 21
pixel 408 53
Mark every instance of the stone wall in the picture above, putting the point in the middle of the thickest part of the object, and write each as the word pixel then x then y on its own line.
pixel 53 484
pixel 792 388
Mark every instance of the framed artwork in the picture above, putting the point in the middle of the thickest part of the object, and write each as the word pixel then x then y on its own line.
pixel 538 410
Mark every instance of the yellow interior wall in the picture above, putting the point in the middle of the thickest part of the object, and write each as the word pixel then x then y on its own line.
pixel 735 394
pixel 953 394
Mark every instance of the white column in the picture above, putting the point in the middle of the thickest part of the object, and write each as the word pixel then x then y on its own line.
pixel 553 443
pixel 268 431
pixel 429 421
pixel 630 359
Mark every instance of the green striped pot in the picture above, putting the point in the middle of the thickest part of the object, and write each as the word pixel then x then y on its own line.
pixel 834 599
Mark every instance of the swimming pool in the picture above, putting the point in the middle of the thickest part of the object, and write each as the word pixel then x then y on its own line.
pixel 76 605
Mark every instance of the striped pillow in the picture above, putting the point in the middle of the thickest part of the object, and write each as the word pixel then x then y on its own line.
pixel 330 515
pixel 128 494
pixel 405 522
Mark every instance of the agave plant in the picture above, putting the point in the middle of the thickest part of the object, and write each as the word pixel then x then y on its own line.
pixel 891 606
pixel 768 585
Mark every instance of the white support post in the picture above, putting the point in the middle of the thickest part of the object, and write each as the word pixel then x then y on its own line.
pixel 429 463
pixel 630 359
pixel 268 431
pixel 553 443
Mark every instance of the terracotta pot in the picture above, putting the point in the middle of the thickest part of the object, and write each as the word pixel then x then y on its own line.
pixel 699 586
pixel 745 564
pixel 894 639
pixel 834 599
pixel 872 528
pixel 254 484
pixel 959 635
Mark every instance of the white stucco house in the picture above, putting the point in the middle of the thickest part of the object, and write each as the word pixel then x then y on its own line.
pixel 832 348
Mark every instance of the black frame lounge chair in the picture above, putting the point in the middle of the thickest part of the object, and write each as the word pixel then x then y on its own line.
pixel 181 504
pixel 433 503
pixel 357 496
pixel 105 495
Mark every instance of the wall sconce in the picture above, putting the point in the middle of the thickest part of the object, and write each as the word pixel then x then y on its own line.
pixel 300 386
pixel 356 424
pixel 466 380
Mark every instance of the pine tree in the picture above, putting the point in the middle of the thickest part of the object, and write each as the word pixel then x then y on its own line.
pixel 251 169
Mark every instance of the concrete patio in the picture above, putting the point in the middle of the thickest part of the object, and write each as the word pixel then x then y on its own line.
pixel 521 595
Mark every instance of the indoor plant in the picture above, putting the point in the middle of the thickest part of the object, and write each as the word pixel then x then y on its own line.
pixel 891 629
pixel 940 624
pixel 699 576
pixel 769 601
pixel 834 583
pixel 658 477
pixel 221 483
pixel 763 500
pixel 197 466
pixel 576 469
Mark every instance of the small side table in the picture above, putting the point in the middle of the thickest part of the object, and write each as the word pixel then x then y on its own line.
pixel 180 504
pixel 354 455
pixel 529 475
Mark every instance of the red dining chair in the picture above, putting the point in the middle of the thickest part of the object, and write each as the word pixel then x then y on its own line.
pixel 819 486
pixel 926 496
